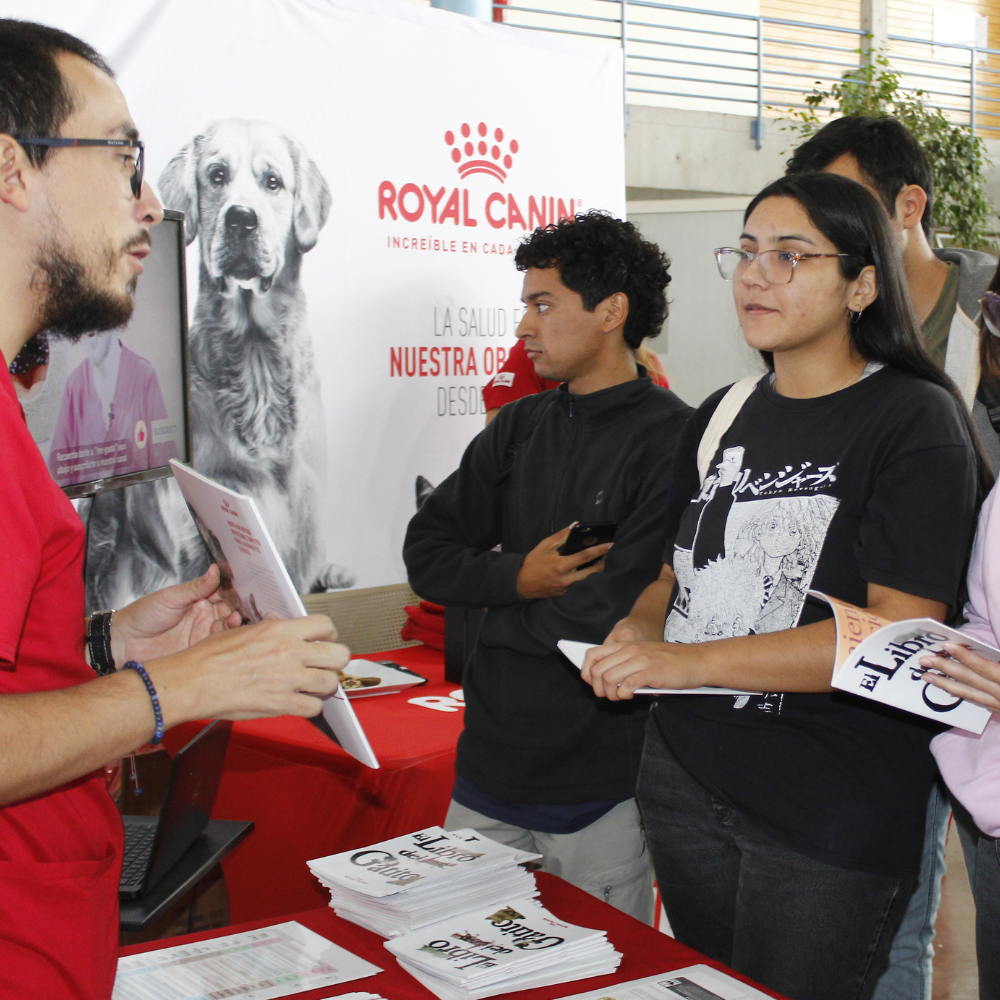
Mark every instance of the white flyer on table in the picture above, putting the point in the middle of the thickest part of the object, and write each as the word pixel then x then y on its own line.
pixel 576 651
pixel 696 982
pixel 255 582
pixel 271 962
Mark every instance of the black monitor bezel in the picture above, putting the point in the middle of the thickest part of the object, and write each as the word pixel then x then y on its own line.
pixel 96 486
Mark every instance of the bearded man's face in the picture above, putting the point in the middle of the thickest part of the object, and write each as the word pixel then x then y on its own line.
pixel 78 296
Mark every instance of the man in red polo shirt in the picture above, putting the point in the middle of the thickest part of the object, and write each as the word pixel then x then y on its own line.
pixel 517 378
pixel 74 229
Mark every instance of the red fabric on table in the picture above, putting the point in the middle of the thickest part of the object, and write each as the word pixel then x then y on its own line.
pixel 646 952
pixel 308 798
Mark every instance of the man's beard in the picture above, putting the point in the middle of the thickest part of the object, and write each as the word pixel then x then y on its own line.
pixel 72 304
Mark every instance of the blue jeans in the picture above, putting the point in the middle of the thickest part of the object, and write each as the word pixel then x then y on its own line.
pixel 911 959
pixel 982 858
pixel 806 929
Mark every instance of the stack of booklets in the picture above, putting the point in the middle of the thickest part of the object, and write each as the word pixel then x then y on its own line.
pixel 518 946
pixel 399 885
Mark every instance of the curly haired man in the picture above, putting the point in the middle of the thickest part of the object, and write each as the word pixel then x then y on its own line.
pixel 541 763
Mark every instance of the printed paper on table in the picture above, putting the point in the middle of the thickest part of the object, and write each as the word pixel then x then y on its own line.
pixel 271 962
pixel 696 982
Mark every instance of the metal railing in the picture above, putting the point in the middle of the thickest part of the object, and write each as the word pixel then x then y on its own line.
pixel 707 60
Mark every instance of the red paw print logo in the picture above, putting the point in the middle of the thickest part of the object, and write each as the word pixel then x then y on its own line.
pixel 481 153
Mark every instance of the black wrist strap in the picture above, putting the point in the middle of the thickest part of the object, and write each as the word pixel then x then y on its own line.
pixel 99 643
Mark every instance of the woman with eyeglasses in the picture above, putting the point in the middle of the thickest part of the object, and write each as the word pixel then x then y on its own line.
pixel 786 821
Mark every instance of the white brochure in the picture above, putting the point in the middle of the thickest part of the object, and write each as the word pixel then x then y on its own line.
pixel 880 660
pixel 414 859
pixel 255 582
pixel 517 946
pixel 576 651
pixel 695 982
pixel 271 962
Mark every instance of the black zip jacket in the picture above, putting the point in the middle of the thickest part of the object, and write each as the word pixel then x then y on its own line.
pixel 534 731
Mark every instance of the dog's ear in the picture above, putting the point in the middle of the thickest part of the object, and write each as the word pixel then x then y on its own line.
pixel 179 186
pixel 312 202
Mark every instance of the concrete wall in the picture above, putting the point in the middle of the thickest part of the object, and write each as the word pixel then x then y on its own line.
pixel 683 153
pixel 696 151
pixel 701 346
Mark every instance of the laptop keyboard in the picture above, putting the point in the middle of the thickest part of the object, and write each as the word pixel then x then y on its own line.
pixel 138 847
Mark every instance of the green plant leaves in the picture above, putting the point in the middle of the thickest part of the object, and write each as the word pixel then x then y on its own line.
pixel 958 161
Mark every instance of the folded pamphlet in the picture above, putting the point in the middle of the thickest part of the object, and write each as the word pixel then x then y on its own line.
pixel 880 660
pixel 398 885
pixel 576 651
pixel 517 946
pixel 696 982
pixel 365 678
pixel 254 581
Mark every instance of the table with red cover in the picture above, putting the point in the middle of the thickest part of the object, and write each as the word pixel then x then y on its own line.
pixel 308 798
pixel 646 951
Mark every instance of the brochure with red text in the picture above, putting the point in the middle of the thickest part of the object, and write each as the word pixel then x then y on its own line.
pixel 254 582
pixel 880 660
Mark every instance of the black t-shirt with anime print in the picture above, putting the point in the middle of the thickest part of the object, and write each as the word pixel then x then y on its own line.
pixel 872 484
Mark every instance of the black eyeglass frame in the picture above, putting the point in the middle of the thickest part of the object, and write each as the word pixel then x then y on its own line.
pixel 61 143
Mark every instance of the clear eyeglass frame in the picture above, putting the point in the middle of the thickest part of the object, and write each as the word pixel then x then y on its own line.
pixel 777 267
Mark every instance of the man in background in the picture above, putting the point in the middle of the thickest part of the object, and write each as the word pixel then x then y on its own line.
pixel 542 764
pixel 945 287
pixel 945 284
pixel 74 230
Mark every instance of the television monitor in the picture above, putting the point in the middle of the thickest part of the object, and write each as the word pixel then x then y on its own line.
pixel 112 409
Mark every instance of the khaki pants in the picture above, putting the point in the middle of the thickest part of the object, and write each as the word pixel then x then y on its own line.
pixel 607 859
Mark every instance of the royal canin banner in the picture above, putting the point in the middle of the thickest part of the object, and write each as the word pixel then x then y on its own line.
pixel 387 159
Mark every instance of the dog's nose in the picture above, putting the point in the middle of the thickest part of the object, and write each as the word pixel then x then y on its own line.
pixel 239 217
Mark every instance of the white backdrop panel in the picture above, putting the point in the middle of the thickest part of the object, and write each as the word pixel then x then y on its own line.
pixel 370 90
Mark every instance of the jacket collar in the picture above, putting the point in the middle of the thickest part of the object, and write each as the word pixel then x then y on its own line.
pixel 606 404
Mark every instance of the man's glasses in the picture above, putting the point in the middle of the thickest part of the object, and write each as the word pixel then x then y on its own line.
pixel 777 267
pixel 138 157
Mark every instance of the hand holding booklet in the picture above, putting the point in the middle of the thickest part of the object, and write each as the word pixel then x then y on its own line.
pixel 576 651
pixel 880 660
pixel 255 582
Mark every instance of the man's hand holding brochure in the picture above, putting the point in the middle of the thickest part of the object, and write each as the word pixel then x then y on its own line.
pixel 255 583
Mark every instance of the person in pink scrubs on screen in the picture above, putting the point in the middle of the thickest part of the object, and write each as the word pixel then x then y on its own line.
pixel 105 423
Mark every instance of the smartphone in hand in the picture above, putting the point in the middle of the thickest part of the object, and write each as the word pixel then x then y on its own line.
pixel 583 536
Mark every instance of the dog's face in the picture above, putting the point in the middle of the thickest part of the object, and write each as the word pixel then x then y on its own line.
pixel 253 195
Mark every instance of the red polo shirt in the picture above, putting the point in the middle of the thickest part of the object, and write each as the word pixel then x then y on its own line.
pixel 60 853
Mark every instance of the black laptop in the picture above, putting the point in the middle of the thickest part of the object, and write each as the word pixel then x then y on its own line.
pixel 154 844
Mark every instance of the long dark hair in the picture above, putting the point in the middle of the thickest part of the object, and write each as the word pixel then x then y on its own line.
pixel 851 218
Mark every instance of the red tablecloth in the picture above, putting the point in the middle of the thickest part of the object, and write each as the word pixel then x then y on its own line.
pixel 647 952
pixel 308 798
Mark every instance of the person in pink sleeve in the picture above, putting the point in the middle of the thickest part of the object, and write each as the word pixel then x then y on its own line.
pixel 970 764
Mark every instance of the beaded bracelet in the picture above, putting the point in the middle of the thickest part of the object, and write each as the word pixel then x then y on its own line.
pixel 153 697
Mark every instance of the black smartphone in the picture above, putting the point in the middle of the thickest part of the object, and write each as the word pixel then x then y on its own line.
pixel 583 536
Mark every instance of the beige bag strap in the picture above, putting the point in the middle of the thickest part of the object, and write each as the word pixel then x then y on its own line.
pixel 722 420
